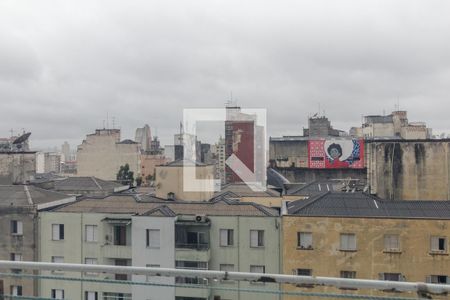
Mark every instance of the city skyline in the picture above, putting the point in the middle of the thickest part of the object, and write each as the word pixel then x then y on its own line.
pixel 63 67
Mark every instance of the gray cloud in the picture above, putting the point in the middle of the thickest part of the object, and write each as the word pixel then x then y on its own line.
pixel 65 65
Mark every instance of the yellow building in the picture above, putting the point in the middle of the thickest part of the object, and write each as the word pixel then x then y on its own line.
pixel 170 181
pixel 354 235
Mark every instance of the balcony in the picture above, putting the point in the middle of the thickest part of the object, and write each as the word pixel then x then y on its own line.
pixel 202 292
pixel 192 241
pixel 116 251
pixel 193 253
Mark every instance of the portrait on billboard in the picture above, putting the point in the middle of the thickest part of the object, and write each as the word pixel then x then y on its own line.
pixel 336 154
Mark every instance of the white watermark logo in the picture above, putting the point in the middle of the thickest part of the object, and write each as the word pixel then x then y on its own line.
pixel 243 157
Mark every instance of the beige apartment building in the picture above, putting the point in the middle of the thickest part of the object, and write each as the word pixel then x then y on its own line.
pixel 102 153
pixel 354 235
pixel 170 182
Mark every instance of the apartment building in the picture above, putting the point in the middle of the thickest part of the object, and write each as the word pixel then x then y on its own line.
pixel 148 231
pixel 102 153
pixel 19 206
pixel 354 235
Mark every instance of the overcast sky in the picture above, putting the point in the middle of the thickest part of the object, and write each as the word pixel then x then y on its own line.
pixel 65 65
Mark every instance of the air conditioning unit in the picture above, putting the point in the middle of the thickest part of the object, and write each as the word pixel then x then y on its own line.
pixel 201 219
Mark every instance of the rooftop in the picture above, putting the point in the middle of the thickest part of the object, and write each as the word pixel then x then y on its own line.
pixel 26 195
pixel 131 204
pixel 239 190
pixel 85 184
pixel 337 204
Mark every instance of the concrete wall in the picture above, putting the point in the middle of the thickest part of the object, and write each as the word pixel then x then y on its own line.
pixel 286 154
pixel 378 130
pixel 149 163
pixel 17 168
pixel 23 244
pixel 75 249
pixel 101 156
pixel 169 179
pixel 163 256
pixel 309 175
pixel 242 256
pixel 414 260
pixel 409 170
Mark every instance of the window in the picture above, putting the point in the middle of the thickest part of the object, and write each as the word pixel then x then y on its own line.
pixel 391 276
pixel 58 232
pixel 120 235
pixel 16 290
pixel 90 296
pixel 183 264
pixel 151 266
pixel 116 296
pixel 226 237
pixel 153 238
pixel 438 244
pixel 16 227
pixel 16 257
pixel 438 279
pixel 391 242
pixel 348 274
pixel 257 269
pixel 90 232
pixel 348 242
pixel 57 294
pixel 58 259
pixel 90 261
pixel 227 268
pixel 256 238
pixel 304 272
pixel 304 240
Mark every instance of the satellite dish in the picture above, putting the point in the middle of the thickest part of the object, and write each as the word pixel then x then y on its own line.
pixel 21 139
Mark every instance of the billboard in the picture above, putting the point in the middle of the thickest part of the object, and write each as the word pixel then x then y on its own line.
pixel 336 154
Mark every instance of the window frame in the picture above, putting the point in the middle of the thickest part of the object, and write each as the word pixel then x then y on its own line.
pixel 16 228
pixel 148 239
pixel 438 250
pixel 94 233
pixel 260 241
pixel 60 232
pixel 387 242
pixel 299 241
pixel 348 248
pixel 229 238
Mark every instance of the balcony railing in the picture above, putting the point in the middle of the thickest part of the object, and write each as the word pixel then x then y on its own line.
pixel 191 280
pixel 193 246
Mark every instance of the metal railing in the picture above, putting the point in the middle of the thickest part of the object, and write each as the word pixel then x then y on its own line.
pixel 193 246
pixel 418 287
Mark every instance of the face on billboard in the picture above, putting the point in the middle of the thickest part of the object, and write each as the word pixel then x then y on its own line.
pixel 336 153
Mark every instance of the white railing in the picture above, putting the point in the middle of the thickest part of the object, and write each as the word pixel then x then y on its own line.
pixel 419 287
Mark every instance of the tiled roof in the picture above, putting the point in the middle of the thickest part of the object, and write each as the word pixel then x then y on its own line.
pixel 85 184
pixel 128 204
pixel 243 190
pixel 339 204
pixel 17 195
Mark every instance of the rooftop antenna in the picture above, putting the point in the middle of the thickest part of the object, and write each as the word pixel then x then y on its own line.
pixel 107 120
pixel 113 122
pixel 319 110
pixel 104 124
